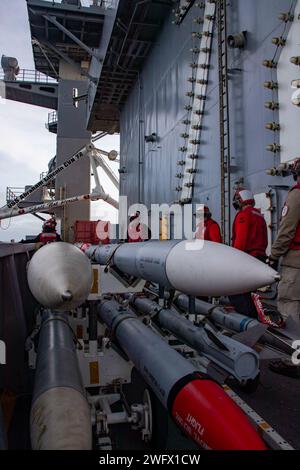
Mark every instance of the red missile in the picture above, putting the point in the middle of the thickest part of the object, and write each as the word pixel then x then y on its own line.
pixel 199 406
pixel 209 417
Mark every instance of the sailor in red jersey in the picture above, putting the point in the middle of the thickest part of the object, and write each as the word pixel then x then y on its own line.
pixel 249 231
pixel 211 230
pixel 249 234
pixel 49 234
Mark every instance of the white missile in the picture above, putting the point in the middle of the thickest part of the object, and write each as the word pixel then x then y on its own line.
pixel 59 276
pixel 197 267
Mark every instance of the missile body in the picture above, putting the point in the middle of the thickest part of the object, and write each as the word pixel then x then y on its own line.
pixel 59 276
pixel 237 359
pixel 232 320
pixel 60 415
pixel 198 405
pixel 193 267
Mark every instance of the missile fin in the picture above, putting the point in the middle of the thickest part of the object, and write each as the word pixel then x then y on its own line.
pixel 251 336
pixel 216 340
pixel 291 329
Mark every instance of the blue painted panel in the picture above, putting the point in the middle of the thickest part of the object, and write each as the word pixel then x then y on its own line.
pixel 164 85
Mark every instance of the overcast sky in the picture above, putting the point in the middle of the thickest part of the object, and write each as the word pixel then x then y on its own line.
pixel 26 145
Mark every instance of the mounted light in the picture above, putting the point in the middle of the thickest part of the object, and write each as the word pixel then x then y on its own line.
pixel 271 172
pixel 273 148
pixel 192 79
pixel 202 81
pixel 197 35
pixel 271 85
pixel 190 94
pixel 198 20
pixel 204 66
pixel 296 97
pixel 181 163
pixel 192 171
pixel 184 136
pixel 279 41
pixel 271 105
pixel 179 175
pixel 201 97
pixel 197 127
pixel 295 83
pixel 286 17
pixel 270 64
pixel 195 50
pixel 188 107
pixel 189 185
pixel 199 112
pixel 273 126
pixel 195 142
pixel 182 149
pixel 193 156
pixel 237 41
pixel 186 122
pixel 295 60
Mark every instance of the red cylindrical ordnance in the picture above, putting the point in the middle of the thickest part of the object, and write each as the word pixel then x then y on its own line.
pixel 208 416
pixel 199 406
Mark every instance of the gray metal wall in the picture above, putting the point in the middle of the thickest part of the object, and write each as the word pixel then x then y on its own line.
pixel 71 137
pixel 157 105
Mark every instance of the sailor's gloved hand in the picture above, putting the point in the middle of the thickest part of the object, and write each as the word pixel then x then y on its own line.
pixel 273 263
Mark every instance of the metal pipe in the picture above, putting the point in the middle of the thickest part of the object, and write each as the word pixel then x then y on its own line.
pixel 237 359
pixel 60 415
pixel 193 267
pixel 198 405
pixel 231 320
pixel 234 321
pixel 49 206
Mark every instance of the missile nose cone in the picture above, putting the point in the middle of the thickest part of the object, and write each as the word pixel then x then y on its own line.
pixel 60 276
pixel 213 269
pixel 212 419
pixel 67 295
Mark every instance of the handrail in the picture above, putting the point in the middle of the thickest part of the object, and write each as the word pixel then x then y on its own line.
pixel 100 3
pixel 32 76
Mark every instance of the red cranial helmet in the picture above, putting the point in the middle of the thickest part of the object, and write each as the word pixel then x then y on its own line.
pixel 242 197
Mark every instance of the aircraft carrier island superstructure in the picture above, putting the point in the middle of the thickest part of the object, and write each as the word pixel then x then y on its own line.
pixel 139 338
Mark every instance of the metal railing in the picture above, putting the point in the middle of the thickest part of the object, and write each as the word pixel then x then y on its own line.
pixel 13 192
pixel 50 184
pixel 100 3
pixel 32 76
pixel 52 120
pixel 88 3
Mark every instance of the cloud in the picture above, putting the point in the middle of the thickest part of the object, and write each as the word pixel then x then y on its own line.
pixel 25 144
